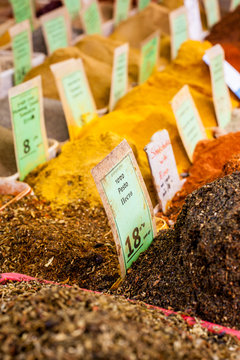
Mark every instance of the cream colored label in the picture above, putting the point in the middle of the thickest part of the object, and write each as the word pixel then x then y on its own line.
pixel 189 123
pixel 179 29
pixel 212 10
pixel 127 204
pixel 77 100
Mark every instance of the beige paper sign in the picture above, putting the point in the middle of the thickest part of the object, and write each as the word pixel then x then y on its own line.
pixel 189 123
pixel 179 29
pixel 127 204
pixel 212 10
pixel 56 26
pixel 91 18
pixel 77 100
pixel 163 168
pixel 149 56
pixel 30 139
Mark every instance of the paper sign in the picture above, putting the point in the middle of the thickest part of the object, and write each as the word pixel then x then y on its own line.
pixel 73 7
pixel 194 19
pixel 56 29
pixel 119 85
pixel 142 4
pixel 163 168
pixel 149 56
pixel 22 49
pixel 127 203
pixel 78 103
pixel 189 123
pixel 23 10
pixel 121 10
pixel 234 4
pixel 179 29
pixel 91 18
pixel 221 97
pixel 212 12
pixel 30 140
pixel 231 75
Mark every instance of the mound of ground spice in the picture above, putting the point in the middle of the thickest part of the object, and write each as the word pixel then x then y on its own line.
pixel 73 245
pixel 208 160
pixel 52 322
pixel 195 266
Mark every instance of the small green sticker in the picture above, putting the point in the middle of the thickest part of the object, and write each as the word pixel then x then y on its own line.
pixel 211 7
pixel 56 31
pixel 125 196
pixel 180 32
pixel 188 122
pixel 220 91
pixel 120 77
pixel 73 7
pixel 78 97
pixel 92 19
pixel 122 8
pixel 22 10
pixel 142 4
pixel 149 57
pixel 29 140
pixel 22 56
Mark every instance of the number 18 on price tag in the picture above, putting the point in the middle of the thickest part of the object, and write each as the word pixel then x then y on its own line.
pixel 127 203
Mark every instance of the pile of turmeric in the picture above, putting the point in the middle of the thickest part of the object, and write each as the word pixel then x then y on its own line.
pixel 143 111
pixel 97 55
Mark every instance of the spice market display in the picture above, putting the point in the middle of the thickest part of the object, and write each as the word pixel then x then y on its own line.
pixel 119 179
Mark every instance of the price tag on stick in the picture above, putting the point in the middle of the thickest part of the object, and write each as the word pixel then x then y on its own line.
pixel 234 4
pixel 189 123
pixel 91 18
pixel 179 29
pixel 73 7
pixel 149 56
pixel 127 203
pixel 163 168
pixel 119 85
pixel 22 49
pixel 121 10
pixel 56 27
pixel 77 100
pixel 212 11
pixel 142 4
pixel 30 140
pixel 23 10
pixel 221 97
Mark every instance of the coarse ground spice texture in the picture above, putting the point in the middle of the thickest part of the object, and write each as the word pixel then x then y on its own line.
pixel 52 322
pixel 72 244
pixel 195 266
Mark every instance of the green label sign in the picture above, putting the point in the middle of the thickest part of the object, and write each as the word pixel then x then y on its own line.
pixel 130 209
pixel 29 139
pixel 56 32
pixel 92 19
pixel 73 7
pixel 120 75
pixel 78 97
pixel 179 32
pixel 149 57
pixel 121 10
pixel 220 91
pixel 22 56
pixel 22 10
pixel 212 11
pixel 142 4
pixel 234 4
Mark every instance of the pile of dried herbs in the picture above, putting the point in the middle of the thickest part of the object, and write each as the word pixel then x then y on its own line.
pixel 52 322
pixel 4 198
pixel 72 244
pixel 195 266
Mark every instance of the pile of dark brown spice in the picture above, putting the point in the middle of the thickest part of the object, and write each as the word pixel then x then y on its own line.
pixel 53 322
pixel 73 245
pixel 195 266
